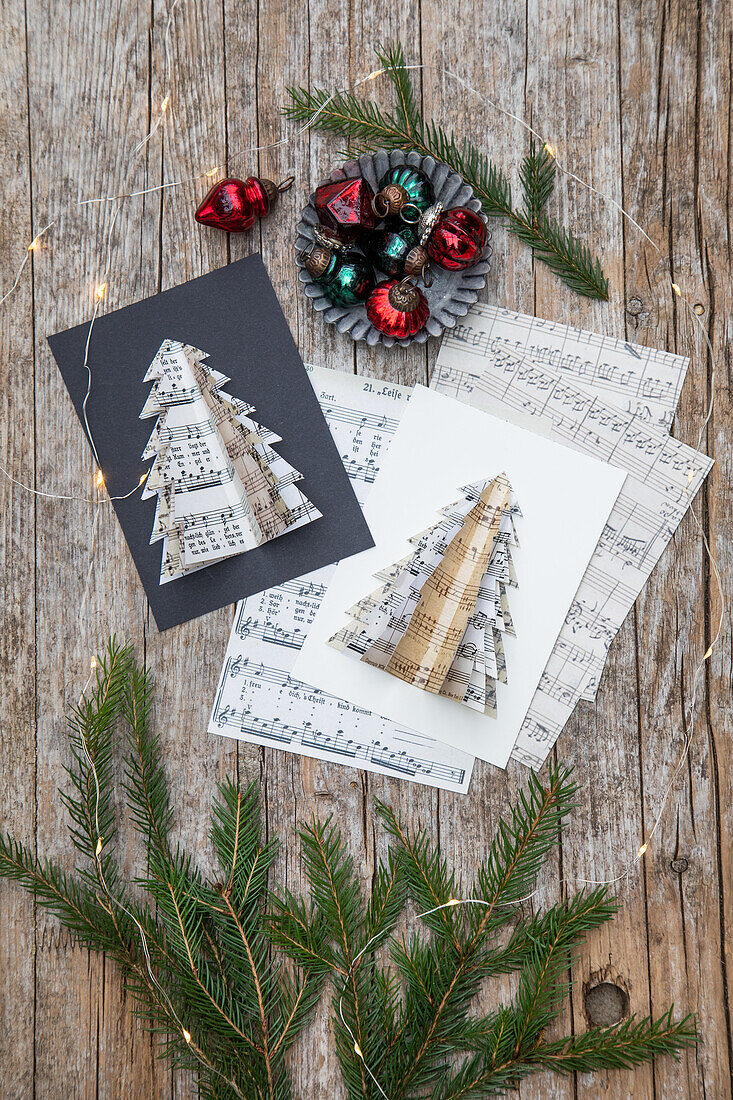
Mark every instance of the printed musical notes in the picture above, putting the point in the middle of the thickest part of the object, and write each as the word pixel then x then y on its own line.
pixel 437 622
pixel 606 398
pixel 566 499
pixel 221 488
pixel 258 699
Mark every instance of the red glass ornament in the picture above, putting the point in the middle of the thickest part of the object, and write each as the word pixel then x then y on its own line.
pixel 234 204
pixel 458 239
pixel 397 308
pixel 346 206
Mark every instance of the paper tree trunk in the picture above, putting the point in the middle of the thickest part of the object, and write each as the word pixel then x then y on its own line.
pixel 221 488
pixel 438 619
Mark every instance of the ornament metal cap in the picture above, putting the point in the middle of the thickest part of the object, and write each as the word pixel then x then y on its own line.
pixel 417 264
pixel 272 190
pixel 317 260
pixel 404 295
pixel 390 200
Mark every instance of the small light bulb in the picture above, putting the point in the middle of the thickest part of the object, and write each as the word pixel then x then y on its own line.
pixel 214 171
pixel 708 654
pixel 142 479
pixel 357 1051
pixel 549 149
pixel 454 901
pixel 677 290
pixel 641 851
pixel 33 245
pixel 98 849
pixel 99 479
pixel 186 1035
pixel 93 663
pixel 100 291
pixel 690 475
pixel 166 103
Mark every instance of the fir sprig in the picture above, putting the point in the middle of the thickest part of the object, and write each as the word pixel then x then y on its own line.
pixel 203 959
pixel 202 970
pixel 368 128
pixel 411 1021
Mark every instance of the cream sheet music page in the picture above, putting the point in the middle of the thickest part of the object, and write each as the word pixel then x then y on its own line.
pixel 611 400
pixel 258 698
pixel 565 499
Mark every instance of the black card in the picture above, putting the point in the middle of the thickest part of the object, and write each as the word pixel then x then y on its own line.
pixel 232 314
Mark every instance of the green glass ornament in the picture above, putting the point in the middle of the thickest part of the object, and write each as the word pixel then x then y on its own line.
pixel 347 278
pixel 417 186
pixel 396 251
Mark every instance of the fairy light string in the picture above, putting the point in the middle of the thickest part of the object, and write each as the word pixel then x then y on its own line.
pixel 99 294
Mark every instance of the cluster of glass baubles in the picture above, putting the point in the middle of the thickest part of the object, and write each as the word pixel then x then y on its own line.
pixel 399 231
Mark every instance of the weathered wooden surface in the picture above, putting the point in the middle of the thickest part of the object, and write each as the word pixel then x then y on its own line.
pixel 636 98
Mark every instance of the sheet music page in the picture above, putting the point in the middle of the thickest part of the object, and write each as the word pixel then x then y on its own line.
pixel 221 488
pixel 640 380
pixel 257 699
pixel 489 372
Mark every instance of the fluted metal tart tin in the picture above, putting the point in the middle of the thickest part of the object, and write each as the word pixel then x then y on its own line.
pixel 452 292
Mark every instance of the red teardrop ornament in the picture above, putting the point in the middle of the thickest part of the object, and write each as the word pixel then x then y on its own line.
pixel 346 205
pixel 458 239
pixel 234 204
pixel 397 308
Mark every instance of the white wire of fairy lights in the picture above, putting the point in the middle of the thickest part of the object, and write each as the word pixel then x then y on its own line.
pixel 452 903
pixel 99 295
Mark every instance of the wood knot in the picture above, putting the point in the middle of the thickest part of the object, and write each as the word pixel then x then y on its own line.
pixel 680 865
pixel 606 1004
pixel 634 306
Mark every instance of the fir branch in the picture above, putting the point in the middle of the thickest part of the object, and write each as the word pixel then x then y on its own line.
pixel 623 1046
pixel 209 978
pixel 392 59
pixel 428 1041
pixel 537 175
pixel 203 977
pixel 145 780
pixel 347 116
pixel 92 741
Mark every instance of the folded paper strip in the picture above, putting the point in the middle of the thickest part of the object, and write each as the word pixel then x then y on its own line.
pixel 222 490
pixel 438 618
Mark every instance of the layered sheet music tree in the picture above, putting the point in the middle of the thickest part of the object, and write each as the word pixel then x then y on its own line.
pixel 221 488
pixel 438 618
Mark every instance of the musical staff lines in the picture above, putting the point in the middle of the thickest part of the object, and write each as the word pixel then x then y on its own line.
pixel 614 401
pixel 258 700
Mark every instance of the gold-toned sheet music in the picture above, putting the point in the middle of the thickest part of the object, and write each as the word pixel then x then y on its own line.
pixel 437 620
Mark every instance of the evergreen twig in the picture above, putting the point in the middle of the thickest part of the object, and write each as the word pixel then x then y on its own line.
pixel 412 1021
pixel 207 974
pixel 368 128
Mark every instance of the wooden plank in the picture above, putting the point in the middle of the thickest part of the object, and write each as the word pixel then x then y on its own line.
pixel 466 825
pixel 81 142
pixel 573 78
pixel 675 77
pixel 17 509
pixel 196 138
pixel 231 66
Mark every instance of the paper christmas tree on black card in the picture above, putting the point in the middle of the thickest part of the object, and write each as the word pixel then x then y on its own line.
pixel 438 619
pixel 221 488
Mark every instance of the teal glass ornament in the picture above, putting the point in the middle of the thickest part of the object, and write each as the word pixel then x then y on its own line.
pixel 346 278
pixel 396 251
pixel 418 191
